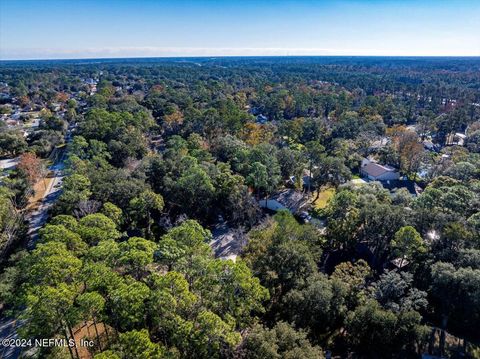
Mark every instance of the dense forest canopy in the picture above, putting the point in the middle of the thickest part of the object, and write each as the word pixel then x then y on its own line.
pixel 257 207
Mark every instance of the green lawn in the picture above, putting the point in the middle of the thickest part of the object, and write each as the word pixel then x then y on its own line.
pixel 324 197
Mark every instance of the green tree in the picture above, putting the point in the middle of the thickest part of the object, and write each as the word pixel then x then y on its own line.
pixel 60 233
pixel 12 143
pixel 76 188
pixel 106 251
pixel 108 354
pixel 142 207
pixel 282 341
pixel 128 304
pixel 10 219
pixel 314 152
pixel 97 227
pixel 408 244
pixel 50 264
pixel 354 277
pixel 284 267
pixel 67 221
pixel 258 177
pixel 91 306
pixel 456 293
pixel 49 310
pixel 181 244
pixel 394 291
pixel 171 307
pixel 99 277
pixel 230 290
pixel 379 333
pixel 137 344
pixel 211 334
pixel 113 212
pixel 136 254
pixel 343 218
pixel 320 306
pixel 195 191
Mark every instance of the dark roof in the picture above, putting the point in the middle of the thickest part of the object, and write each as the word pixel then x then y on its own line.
pixel 295 201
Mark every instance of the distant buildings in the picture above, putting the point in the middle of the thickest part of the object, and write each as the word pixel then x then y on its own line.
pixel 92 85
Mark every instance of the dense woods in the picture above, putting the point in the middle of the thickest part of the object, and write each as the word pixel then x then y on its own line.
pixel 160 154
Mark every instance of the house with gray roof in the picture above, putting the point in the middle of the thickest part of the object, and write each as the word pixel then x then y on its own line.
pixel 376 172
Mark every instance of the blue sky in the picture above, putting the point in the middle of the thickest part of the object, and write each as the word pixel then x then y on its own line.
pixel 35 29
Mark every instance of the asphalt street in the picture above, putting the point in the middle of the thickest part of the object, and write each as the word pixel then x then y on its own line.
pixel 36 219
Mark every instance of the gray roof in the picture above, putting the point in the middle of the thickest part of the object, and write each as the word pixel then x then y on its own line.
pixel 375 170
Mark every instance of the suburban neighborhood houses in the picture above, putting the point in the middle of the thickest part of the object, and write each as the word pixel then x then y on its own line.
pixel 245 195
pixel 239 179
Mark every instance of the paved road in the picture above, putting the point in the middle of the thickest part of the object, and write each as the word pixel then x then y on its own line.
pixel 8 331
pixel 36 219
pixel 39 217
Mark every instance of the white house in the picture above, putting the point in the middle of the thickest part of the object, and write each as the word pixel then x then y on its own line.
pixel 7 165
pixel 377 172
pixel 456 139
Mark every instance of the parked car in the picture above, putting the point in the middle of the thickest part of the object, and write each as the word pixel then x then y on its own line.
pixel 304 217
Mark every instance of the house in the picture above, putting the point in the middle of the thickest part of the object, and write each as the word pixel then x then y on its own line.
pixel 271 204
pixel 456 139
pixel 7 165
pixel 305 180
pixel 377 172
pixel 288 199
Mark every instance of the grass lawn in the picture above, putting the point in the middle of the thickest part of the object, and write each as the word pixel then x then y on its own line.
pixel 324 197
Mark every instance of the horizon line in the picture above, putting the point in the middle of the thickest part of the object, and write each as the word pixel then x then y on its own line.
pixel 235 56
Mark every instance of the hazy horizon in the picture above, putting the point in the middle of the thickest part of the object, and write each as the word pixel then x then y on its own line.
pixel 53 29
pixel 86 59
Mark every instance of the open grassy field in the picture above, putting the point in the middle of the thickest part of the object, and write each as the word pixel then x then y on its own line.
pixel 325 196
